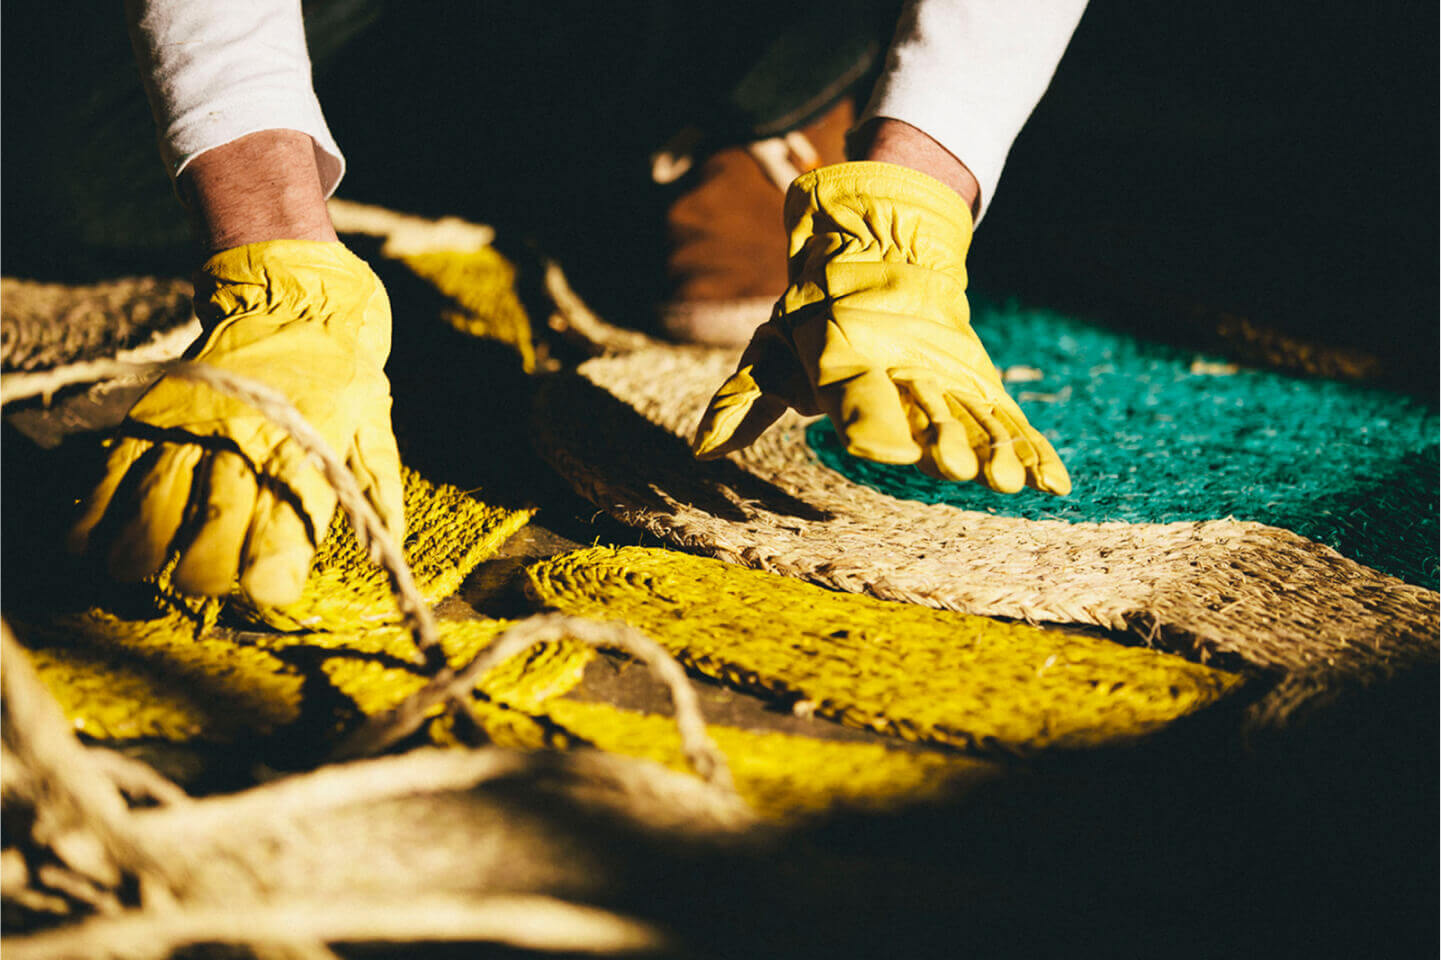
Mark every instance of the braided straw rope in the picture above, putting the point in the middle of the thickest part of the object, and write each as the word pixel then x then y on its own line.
pixel 403 848
pixel 1225 591
pixel 260 868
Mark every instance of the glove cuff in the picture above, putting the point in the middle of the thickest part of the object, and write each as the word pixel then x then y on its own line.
pixel 278 271
pixel 908 214
pixel 285 281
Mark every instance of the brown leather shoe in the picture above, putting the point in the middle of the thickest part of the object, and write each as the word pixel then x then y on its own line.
pixel 726 249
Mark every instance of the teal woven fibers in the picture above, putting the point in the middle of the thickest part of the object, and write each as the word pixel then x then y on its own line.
pixel 1148 441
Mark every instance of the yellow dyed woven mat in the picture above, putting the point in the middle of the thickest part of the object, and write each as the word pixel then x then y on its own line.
pixel 158 679
pixel 177 676
pixel 454 257
pixel 1224 591
pixel 521 706
pixel 781 776
pixel 929 675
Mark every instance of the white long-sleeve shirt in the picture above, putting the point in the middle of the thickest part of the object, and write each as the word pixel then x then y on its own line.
pixel 214 72
pixel 967 72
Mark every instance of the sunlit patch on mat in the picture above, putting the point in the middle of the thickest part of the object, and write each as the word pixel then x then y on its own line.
pixel 1219 590
pixel 484 303
pixel 369 669
pixel 1151 434
pixel 454 257
pixel 928 675
pixel 161 678
pixel 166 679
pixel 447 533
pixel 780 775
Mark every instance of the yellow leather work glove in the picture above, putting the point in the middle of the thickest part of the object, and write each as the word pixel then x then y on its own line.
pixel 196 472
pixel 874 331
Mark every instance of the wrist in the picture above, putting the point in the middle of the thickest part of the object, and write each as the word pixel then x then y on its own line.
pixel 895 141
pixel 263 186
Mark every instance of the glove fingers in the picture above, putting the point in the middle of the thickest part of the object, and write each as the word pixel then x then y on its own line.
pixel 375 461
pixel 117 466
pixel 162 495
pixel 210 563
pixel 866 411
pixel 737 415
pixel 948 454
pixel 1044 469
pixel 278 550
pixel 1001 469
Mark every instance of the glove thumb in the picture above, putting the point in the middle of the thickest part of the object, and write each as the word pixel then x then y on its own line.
pixel 739 412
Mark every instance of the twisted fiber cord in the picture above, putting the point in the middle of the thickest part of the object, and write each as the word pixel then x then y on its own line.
pixel 59 773
pixel 384 731
pixel 446 685
pixel 185 843
pixel 81 814
pixel 1214 590
pixel 573 317
pixel 45 383
pixel 404 234
pixel 700 750
pixel 523 922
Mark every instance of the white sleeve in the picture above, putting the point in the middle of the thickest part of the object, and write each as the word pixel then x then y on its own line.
pixel 969 73
pixel 215 72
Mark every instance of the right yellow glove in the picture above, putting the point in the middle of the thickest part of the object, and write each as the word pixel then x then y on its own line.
pixel 874 331
pixel 197 472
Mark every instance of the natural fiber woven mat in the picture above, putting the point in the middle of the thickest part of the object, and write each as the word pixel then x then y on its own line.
pixel 480 285
pixel 447 532
pixel 43 325
pixel 782 777
pixel 454 258
pixel 176 677
pixel 1238 591
pixel 928 675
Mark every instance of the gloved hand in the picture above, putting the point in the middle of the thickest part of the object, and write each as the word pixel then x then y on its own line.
pixel 212 478
pixel 874 331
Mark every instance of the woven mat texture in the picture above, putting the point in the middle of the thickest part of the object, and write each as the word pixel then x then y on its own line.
pixel 176 677
pixel 929 675
pixel 43 325
pixel 480 285
pixel 1225 590
pixel 1153 434
pixel 447 532
pixel 783 777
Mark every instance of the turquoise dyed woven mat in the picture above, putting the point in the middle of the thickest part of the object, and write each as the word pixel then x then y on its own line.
pixel 1151 435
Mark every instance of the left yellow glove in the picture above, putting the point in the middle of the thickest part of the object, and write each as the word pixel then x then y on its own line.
pixel 874 331
pixel 213 479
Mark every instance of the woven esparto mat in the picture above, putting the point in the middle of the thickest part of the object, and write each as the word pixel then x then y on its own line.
pixel 1218 591
pixel 171 675
pixel 934 676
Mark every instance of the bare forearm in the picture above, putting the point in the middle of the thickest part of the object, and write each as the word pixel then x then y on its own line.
pixel 263 186
pixel 894 141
